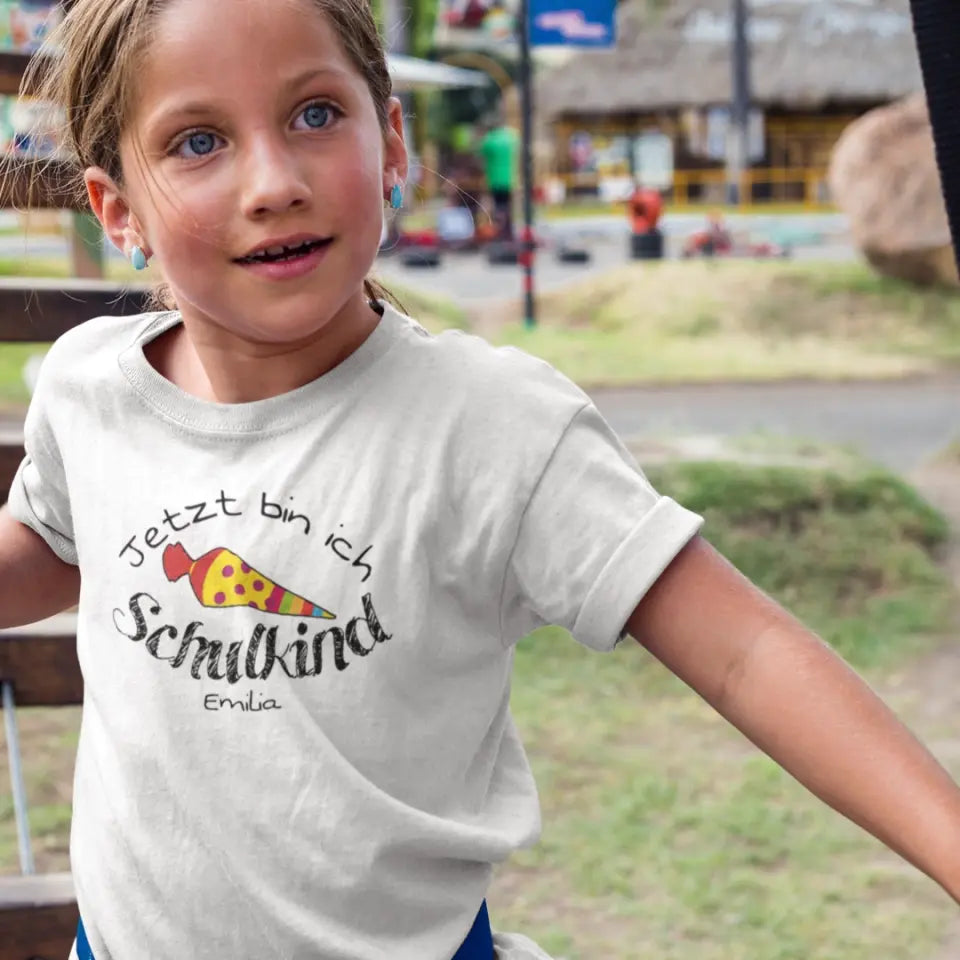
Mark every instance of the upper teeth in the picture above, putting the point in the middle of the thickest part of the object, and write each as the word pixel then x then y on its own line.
pixel 278 250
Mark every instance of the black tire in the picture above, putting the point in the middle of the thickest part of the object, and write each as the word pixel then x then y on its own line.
pixel 573 255
pixel 503 252
pixel 420 257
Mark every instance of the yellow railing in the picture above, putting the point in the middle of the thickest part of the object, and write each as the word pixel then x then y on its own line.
pixel 803 186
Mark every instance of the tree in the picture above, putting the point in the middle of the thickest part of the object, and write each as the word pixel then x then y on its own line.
pixel 421 25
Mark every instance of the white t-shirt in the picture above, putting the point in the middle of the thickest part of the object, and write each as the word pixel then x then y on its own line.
pixel 297 626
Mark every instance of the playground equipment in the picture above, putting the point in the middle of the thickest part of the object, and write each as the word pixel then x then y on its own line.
pixel 645 208
pixel 716 240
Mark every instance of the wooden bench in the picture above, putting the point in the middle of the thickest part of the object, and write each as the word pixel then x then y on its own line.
pixel 38 668
pixel 38 664
pixel 41 919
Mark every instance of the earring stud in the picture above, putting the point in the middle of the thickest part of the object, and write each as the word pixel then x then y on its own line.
pixel 138 258
pixel 396 197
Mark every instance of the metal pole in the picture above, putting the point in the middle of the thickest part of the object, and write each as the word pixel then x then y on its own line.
pixel 738 146
pixel 526 99
pixel 17 787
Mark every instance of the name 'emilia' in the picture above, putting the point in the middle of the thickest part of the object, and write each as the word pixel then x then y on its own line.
pixel 254 658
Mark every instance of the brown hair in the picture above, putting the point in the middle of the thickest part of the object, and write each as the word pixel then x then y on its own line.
pixel 88 73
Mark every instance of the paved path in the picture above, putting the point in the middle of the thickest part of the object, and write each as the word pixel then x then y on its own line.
pixel 899 424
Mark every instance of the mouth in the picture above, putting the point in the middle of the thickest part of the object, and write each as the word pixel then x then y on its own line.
pixel 285 252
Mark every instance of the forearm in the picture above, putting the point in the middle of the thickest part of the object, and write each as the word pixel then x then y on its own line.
pixel 802 705
pixel 799 702
pixel 34 582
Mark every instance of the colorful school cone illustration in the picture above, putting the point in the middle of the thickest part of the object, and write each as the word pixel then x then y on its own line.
pixel 221 579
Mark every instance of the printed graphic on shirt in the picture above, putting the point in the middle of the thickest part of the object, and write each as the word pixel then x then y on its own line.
pixel 221 579
pixel 253 628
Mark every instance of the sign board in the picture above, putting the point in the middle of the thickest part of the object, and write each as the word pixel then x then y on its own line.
pixel 719 129
pixel 572 23
pixel 493 24
pixel 476 24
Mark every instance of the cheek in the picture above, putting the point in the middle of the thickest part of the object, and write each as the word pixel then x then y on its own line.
pixel 361 183
pixel 358 195
pixel 202 213
pixel 362 159
pixel 184 220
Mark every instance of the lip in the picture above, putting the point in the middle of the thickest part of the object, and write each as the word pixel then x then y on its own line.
pixel 288 269
pixel 291 240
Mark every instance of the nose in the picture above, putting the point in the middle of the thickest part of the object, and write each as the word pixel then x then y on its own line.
pixel 273 179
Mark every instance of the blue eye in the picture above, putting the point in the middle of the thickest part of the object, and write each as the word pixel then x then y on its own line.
pixel 317 115
pixel 199 144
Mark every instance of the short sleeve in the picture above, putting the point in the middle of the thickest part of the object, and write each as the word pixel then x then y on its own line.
pixel 38 495
pixel 592 540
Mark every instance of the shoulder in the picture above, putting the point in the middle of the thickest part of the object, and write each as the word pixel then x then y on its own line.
pixel 498 383
pixel 100 339
pixel 88 356
pixel 493 415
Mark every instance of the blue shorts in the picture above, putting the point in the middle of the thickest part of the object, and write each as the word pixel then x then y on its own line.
pixel 478 944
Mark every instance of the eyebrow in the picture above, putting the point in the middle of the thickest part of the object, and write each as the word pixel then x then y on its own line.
pixel 195 108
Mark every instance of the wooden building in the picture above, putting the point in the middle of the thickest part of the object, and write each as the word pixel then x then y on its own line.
pixel 657 105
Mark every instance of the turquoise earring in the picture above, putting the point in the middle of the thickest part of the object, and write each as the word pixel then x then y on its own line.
pixel 396 197
pixel 138 258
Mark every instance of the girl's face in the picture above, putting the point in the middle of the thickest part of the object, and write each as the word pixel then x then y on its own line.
pixel 254 135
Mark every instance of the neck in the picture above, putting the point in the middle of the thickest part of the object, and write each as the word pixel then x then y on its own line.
pixel 206 360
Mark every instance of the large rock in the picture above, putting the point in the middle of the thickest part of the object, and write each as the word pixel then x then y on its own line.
pixel 884 176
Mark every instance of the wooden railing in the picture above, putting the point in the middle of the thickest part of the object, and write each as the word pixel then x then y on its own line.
pixel 38 664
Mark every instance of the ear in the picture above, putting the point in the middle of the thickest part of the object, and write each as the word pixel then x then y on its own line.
pixel 395 161
pixel 111 209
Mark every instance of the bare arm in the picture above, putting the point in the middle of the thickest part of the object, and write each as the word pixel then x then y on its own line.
pixel 34 582
pixel 800 703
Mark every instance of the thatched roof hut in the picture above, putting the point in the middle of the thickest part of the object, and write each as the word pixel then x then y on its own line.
pixel 805 54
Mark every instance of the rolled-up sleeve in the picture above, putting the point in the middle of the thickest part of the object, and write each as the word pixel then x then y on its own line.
pixel 592 540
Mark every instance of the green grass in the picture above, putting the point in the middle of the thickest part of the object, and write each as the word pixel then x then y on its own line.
pixel 741 320
pixel 13 356
pixel 666 834
pixel 30 266
pixel 435 313
pixel 851 553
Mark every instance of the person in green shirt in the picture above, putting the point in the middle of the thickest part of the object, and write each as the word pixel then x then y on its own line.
pixel 498 150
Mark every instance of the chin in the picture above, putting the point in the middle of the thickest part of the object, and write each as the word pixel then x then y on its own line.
pixel 289 327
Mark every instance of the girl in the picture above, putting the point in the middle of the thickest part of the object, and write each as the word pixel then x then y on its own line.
pixel 305 534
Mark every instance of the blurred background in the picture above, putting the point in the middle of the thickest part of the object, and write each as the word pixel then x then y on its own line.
pixel 723 219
